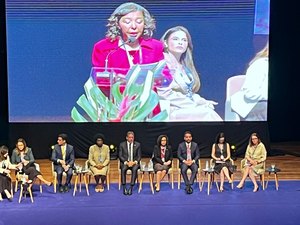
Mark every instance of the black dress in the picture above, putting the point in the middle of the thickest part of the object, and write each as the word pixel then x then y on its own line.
pixel 218 153
pixel 5 181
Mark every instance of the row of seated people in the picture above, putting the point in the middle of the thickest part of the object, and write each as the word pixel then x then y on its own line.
pixel 63 159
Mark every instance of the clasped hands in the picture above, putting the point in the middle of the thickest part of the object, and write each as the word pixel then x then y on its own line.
pixel 252 162
pixel 99 166
pixel 189 162
pixel 131 163
pixel 167 163
pixel 64 165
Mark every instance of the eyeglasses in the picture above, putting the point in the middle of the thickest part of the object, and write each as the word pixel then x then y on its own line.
pixel 255 138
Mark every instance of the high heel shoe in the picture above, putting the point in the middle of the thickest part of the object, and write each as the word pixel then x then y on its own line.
pixel 256 189
pixel 221 189
pixel 51 183
pixel 240 186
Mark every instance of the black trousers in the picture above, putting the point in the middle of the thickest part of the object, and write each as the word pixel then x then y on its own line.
pixel 133 169
pixel 193 168
pixel 59 170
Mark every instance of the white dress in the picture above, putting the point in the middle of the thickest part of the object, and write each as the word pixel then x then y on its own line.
pixel 185 105
pixel 251 101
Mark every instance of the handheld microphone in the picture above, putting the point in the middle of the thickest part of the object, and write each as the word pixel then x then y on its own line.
pixel 129 40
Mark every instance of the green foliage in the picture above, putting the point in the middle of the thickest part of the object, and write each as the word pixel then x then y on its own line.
pixel 135 104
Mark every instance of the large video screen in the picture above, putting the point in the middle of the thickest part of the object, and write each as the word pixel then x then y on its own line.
pixel 148 61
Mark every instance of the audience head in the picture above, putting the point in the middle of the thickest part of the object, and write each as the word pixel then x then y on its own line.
pixel 130 20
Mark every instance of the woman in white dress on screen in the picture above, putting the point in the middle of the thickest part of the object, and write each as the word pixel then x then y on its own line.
pixel 185 103
pixel 251 102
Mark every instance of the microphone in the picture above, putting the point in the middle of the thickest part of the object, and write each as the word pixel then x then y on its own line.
pixel 109 74
pixel 129 40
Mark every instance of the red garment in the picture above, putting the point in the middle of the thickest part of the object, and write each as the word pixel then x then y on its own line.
pixel 162 152
pixel 152 51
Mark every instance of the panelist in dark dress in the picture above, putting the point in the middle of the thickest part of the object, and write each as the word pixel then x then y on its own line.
pixel 162 159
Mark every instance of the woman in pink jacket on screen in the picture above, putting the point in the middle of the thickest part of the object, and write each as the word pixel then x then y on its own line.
pixel 128 40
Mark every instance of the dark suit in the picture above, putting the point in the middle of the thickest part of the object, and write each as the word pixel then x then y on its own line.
pixel 124 157
pixel 70 159
pixel 157 155
pixel 182 155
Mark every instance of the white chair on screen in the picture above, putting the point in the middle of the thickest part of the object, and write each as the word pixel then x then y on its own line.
pixel 233 85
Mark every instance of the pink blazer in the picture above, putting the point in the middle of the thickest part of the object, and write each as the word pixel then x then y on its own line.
pixel 152 51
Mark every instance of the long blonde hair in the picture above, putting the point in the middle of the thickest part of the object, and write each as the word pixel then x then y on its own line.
pixel 261 54
pixel 186 58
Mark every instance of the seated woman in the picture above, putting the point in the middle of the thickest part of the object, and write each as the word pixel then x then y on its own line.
pixel 185 103
pixel 162 159
pixel 5 180
pixel 220 152
pixel 99 159
pixel 255 156
pixel 23 157
pixel 251 101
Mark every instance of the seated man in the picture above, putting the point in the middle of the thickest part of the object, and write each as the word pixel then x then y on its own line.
pixel 129 155
pixel 63 158
pixel 188 154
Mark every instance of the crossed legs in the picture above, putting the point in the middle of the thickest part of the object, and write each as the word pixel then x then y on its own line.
pixel 248 171
pixel 224 173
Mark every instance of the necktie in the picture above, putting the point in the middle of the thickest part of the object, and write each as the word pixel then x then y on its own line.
pixel 130 151
pixel 63 152
pixel 189 153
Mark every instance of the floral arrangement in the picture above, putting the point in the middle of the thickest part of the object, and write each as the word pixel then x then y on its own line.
pixel 134 104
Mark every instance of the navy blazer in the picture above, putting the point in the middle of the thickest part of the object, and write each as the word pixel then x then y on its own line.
pixel 57 154
pixel 182 152
pixel 157 156
pixel 123 152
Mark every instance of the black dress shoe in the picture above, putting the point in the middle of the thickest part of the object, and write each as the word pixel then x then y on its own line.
pixel 187 189
pixel 66 188
pixel 61 189
pixel 191 190
pixel 129 192
pixel 125 192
